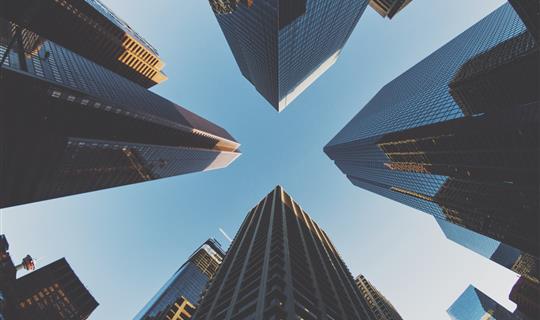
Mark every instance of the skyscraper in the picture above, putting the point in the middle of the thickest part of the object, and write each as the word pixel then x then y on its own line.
pixel 381 308
pixel 457 135
pixel 526 294
pixel 53 292
pixel 388 8
pixel 69 125
pixel 473 304
pixel 283 46
pixel 281 265
pixel 187 284
pixel 500 253
pixel 90 29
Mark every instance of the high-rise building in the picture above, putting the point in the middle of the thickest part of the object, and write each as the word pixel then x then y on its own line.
pixel 503 254
pixel 473 304
pixel 90 29
pixel 53 292
pixel 69 125
pixel 381 308
pixel 526 295
pixel 529 11
pixel 187 283
pixel 457 135
pixel 388 8
pixel 283 46
pixel 282 265
pixel 182 309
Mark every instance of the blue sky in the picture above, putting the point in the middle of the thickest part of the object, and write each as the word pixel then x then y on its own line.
pixel 124 243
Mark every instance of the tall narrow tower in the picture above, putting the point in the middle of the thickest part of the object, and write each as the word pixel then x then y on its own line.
pixel 283 46
pixel 281 265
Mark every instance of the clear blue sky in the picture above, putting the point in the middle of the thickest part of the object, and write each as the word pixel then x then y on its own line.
pixel 124 243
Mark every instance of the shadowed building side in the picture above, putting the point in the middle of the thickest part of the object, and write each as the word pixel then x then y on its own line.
pixel 90 29
pixel 457 135
pixel 71 126
pixel 388 8
pixel 281 265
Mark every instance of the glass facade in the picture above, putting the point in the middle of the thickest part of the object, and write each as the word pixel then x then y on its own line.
pixel 456 135
pixel 86 128
pixel 281 46
pixel 381 308
pixel 188 282
pixel 473 304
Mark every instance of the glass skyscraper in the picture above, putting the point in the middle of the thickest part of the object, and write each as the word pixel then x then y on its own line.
pixel 69 125
pixel 282 265
pixel 500 253
pixel 188 282
pixel 457 135
pixel 90 29
pixel 473 304
pixel 283 46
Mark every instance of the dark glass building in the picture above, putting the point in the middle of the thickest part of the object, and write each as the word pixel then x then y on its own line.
pixel 69 125
pixel 281 265
pixel 90 29
pixel 457 135
pixel 188 283
pixel 500 253
pixel 473 304
pixel 388 8
pixel 526 295
pixel 182 309
pixel 283 46
pixel 53 292
pixel 381 308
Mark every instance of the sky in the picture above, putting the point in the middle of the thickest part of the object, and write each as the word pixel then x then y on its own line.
pixel 124 243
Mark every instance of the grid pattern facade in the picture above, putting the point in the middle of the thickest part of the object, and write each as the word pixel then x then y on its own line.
pixel 53 292
pixel 281 265
pixel 381 308
pixel 418 142
pixel 108 40
pixel 473 304
pixel 86 128
pixel 279 44
pixel 188 282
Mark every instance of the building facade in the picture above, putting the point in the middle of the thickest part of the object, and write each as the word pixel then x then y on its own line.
pixel 94 32
pixel 509 257
pixel 388 8
pixel 283 46
pixel 188 283
pixel 70 126
pixel 282 265
pixel 381 308
pixel 53 292
pixel 456 135
pixel 526 294
pixel 473 304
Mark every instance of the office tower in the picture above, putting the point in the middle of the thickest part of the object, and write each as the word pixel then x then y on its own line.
pixel 503 254
pixel 188 283
pixel 529 11
pixel 283 46
pixel 281 265
pixel 90 29
pixel 71 126
pixel 457 135
pixel 53 292
pixel 473 304
pixel 388 8
pixel 526 295
pixel 381 308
